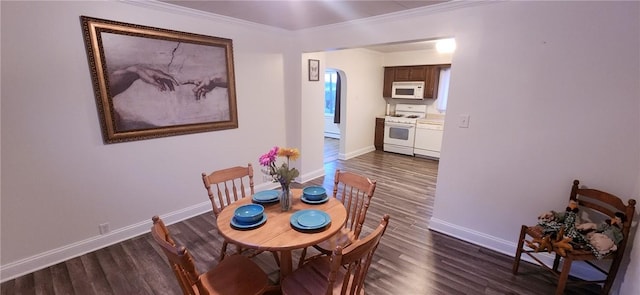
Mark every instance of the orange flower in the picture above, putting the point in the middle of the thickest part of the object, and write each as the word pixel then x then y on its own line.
pixel 283 174
pixel 290 153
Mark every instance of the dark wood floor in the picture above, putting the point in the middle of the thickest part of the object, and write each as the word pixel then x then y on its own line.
pixel 331 149
pixel 410 259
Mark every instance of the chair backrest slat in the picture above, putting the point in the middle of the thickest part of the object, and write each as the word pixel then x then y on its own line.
pixel 355 192
pixel 355 260
pixel 179 258
pixel 606 204
pixel 594 194
pixel 230 186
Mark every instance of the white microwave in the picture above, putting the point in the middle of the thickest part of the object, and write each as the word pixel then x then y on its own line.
pixel 408 90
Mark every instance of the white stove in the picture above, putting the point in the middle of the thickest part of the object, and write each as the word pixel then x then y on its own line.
pixel 407 113
pixel 400 128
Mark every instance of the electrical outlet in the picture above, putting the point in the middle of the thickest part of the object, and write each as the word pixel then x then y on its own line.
pixel 103 228
pixel 463 121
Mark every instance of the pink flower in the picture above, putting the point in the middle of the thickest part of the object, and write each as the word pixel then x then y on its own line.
pixel 283 174
pixel 270 157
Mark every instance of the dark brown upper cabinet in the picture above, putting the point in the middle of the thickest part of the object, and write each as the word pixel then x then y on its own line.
pixel 430 74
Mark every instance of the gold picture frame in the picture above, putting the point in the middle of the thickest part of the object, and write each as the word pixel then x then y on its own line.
pixel 151 82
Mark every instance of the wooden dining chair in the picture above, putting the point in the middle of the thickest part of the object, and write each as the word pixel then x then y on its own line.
pixel 235 275
pixel 225 187
pixel 228 185
pixel 599 203
pixel 342 273
pixel 355 192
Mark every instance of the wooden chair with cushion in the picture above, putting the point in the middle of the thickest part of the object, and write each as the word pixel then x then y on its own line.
pixel 594 202
pixel 355 192
pixel 235 275
pixel 342 273
pixel 224 188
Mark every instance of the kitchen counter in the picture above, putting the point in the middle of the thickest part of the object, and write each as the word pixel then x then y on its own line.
pixel 430 121
pixel 435 119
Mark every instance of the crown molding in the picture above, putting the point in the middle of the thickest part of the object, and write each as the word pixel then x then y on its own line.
pixel 190 12
pixel 420 11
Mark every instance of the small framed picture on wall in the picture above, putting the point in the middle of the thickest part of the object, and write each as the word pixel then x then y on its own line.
pixel 314 70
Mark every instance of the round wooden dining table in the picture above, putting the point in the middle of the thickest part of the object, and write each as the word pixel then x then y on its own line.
pixel 277 234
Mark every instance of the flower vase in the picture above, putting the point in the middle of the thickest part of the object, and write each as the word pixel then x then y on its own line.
pixel 285 198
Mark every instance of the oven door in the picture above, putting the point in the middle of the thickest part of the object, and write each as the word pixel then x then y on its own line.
pixel 399 134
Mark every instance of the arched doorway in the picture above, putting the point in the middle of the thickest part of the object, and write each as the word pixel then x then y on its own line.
pixel 333 97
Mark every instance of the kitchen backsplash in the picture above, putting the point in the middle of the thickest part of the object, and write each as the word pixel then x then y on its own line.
pixel 431 110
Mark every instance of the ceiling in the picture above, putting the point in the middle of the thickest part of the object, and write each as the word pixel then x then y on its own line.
pixel 296 15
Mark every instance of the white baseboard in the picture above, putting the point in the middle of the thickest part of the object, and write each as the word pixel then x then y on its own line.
pixel 312 175
pixel 356 153
pixel 30 264
pixel 578 269
pixel 332 135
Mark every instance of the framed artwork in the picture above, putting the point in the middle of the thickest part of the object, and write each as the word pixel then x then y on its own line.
pixel 152 82
pixel 314 70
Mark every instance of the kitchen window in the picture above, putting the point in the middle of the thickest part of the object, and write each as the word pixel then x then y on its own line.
pixel 443 90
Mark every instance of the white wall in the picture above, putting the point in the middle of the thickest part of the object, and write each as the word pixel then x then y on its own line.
pixel 416 57
pixel 362 100
pixel 312 119
pixel 59 181
pixel 545 108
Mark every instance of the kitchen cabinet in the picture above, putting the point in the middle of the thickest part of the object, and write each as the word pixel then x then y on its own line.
pixel 378 140
pixel 389 76
pixel 418 73
pixel 427 73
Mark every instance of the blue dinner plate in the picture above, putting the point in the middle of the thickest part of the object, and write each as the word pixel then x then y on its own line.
pixel 323 200
pixel 310 219
pixel 266 196
pixel 240 225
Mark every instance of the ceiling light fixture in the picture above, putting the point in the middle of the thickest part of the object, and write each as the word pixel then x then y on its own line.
pixel 446 45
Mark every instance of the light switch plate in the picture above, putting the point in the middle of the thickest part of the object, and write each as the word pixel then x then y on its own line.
pixel 463 121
